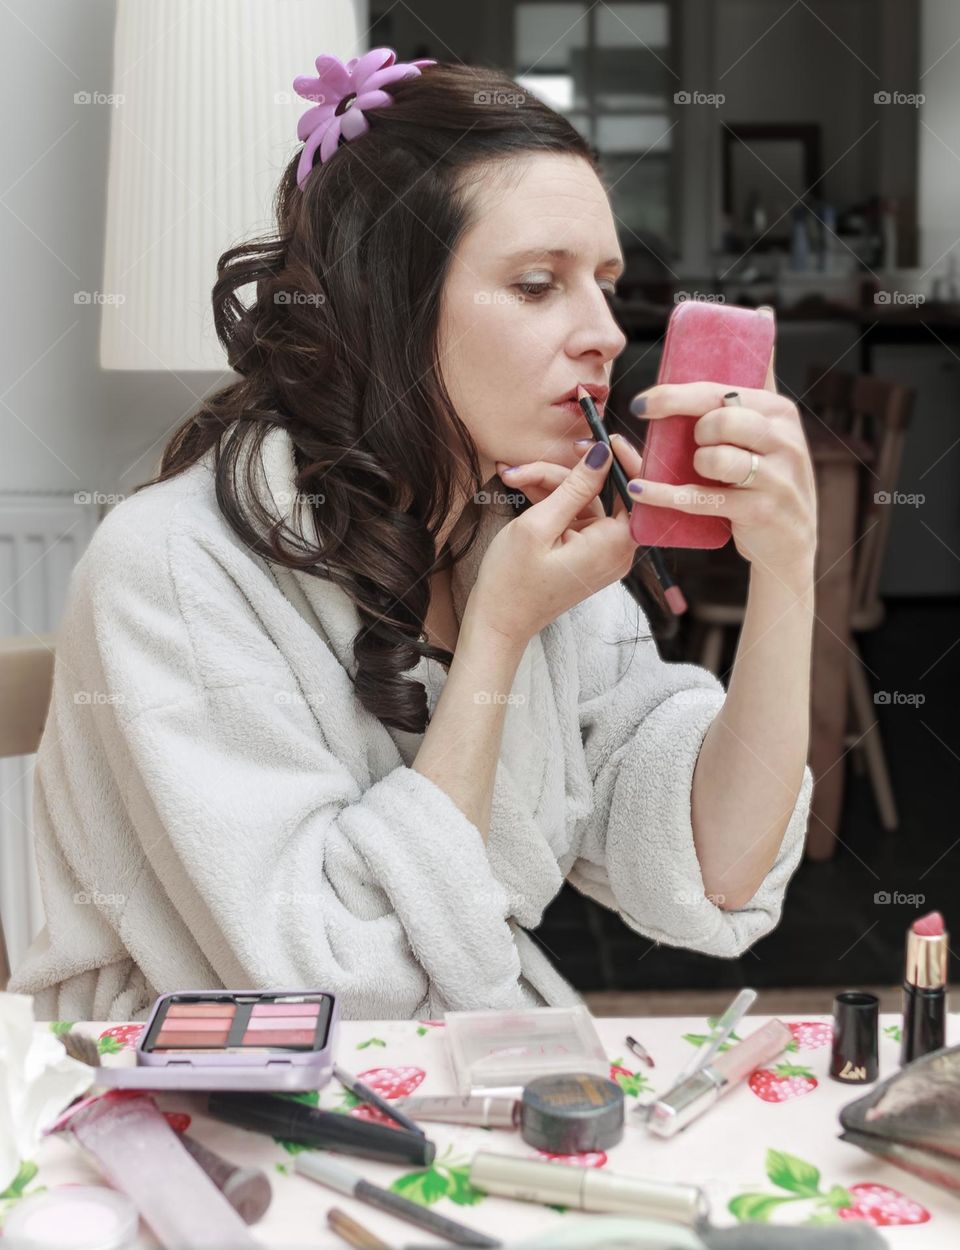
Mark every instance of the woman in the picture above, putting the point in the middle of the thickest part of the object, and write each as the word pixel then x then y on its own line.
pixel 349 690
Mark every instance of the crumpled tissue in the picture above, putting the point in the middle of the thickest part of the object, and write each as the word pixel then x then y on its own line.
pixel 38 1080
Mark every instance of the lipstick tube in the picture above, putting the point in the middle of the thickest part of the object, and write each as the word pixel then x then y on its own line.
pixel 925 990
pixel 688 1100
pixel 587 1189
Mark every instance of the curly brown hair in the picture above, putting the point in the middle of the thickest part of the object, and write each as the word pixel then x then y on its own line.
pixel 339 347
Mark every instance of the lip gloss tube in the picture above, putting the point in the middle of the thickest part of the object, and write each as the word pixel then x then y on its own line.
pixel 687 1101
pixel 140 1154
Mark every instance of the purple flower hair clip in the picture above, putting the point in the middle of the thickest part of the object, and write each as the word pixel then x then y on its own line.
pixel 342 94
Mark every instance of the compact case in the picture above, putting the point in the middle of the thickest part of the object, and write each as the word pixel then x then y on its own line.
pixel 705 342
pixel 281 1040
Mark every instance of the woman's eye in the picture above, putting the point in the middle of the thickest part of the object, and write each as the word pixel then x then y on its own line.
pixel 534 290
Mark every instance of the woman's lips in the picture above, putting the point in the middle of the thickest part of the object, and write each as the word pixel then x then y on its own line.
pixel 572 407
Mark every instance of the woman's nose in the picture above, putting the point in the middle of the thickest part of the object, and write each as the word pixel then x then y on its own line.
pixel 597 331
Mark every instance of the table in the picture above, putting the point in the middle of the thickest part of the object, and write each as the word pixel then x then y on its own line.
pixel 775 1136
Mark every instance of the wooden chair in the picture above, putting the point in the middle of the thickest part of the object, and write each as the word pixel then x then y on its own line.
pixel 874 413
pixel 26 678
pixel 880 414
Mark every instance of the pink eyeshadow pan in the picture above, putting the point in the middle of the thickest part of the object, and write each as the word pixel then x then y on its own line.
pixel 279 1037
pixel 285 1009
pixel 180 1039
pixel 272 1023
pixel 202 1024
pixel 192 1011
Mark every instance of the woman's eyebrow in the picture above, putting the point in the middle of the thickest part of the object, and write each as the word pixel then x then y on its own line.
pixel 562 253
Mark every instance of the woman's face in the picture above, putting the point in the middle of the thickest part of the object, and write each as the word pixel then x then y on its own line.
pixel 521 328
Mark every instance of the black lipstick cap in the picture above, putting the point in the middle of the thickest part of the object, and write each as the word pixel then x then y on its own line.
pixel 855 1026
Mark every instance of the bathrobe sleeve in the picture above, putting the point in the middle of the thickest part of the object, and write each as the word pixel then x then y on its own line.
pixel 249 796
pixel 643 721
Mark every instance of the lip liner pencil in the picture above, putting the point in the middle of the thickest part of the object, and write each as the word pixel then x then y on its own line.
pixel 368 1095
pixel 319 1167
pixel 671 591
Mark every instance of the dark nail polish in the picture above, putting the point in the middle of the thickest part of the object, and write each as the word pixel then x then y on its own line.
pixel 597 455
pixel 638 405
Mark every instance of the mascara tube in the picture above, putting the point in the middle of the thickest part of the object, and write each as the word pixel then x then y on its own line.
pixel 480 1111
pixel 310 1126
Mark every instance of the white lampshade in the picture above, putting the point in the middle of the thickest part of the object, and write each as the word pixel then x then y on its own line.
pixel 204 120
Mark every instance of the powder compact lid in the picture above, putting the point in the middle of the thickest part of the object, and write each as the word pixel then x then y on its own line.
pixel 72 1217
pixel 572 1112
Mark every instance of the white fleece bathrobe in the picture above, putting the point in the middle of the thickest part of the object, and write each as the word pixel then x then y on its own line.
pixel 214 807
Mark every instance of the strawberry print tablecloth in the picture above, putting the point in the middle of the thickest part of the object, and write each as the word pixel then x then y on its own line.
pixel 768 1152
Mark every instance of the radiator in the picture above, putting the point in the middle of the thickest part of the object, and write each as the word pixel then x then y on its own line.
pixel 41 538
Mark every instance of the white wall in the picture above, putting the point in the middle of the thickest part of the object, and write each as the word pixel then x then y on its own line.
pixel 65 424
pixel 939 157
pixel 53 154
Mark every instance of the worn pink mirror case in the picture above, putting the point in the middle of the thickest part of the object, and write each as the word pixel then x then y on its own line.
pixel 705 342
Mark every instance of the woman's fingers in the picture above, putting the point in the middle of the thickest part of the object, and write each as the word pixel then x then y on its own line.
pixel 539 479
pixel 573 497
pixel 694 399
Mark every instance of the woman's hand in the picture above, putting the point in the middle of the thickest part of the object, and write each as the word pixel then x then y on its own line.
pixel 774 518
pixel 540 478
pixel 556 553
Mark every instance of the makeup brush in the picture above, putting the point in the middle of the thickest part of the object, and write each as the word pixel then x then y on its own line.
pixel 671 591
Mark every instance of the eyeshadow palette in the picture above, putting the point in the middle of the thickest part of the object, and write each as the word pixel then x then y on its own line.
pixel 234 1039
pixel 235 1023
